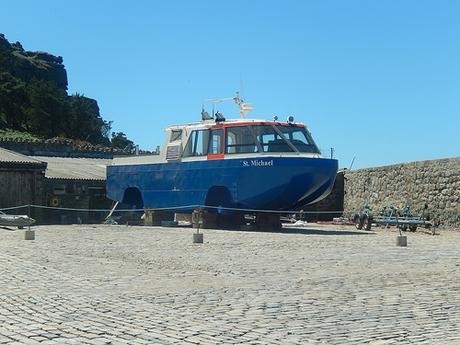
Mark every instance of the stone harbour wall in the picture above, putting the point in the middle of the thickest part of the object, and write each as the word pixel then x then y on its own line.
pixel 435 183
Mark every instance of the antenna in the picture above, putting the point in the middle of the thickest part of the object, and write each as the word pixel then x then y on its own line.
pixel 352 161
pixel 241 85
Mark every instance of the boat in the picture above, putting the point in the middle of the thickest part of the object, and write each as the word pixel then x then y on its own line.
pixel 226 167
pixel 15 220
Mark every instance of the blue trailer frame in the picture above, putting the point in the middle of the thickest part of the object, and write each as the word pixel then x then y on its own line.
pixel 405 221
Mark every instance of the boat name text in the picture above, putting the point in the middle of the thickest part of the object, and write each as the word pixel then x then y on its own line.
pixel 257 163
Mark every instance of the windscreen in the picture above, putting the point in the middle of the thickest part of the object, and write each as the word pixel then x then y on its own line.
pixel 268 138
pixel 299 137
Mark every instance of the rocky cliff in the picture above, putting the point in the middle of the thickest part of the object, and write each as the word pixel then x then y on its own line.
pixel 34 98
pixel 26 65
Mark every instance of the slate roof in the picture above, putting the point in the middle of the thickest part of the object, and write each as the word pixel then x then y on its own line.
pixel 75 168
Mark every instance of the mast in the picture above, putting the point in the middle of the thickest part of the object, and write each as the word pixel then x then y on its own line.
pixel 243 108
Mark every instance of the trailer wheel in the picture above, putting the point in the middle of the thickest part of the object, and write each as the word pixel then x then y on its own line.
pixel 367 223
pixel 413 228
pixel 358 222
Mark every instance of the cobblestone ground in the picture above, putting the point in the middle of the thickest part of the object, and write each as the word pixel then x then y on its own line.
pixel 146 285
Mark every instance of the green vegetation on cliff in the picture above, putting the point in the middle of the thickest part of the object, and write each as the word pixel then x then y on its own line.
pixel 34 99
pixel 11 134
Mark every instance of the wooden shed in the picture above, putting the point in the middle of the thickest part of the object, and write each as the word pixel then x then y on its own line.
pixel 22 180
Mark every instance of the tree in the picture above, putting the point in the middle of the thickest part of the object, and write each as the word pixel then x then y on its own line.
pixel 86 122
pixel 120 141
pixel 13 102
pixel 46 115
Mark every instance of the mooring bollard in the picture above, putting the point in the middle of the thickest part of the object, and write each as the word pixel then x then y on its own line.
pixel 401 241
pixel 29 235
pixel 197 221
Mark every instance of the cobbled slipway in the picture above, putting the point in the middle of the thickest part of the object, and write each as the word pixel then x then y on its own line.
pixel 150 285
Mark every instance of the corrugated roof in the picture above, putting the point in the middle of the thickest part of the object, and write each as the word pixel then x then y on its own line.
pixel 143 159
pixel 75 168
pixel 7 156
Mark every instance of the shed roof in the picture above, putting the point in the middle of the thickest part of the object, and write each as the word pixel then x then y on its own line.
pixel 11 157
pixel 75 168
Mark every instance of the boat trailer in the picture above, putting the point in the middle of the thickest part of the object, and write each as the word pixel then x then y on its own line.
pixel 389 216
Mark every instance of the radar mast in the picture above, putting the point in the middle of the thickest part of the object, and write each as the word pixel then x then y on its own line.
pixel 243 108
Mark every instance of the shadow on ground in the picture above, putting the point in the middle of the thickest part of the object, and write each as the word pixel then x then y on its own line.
pixel 321 232
pixel 303 231
pixel 6 228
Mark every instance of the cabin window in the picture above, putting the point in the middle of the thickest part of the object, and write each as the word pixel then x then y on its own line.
pixel 300 138
pixel 240 139
pixel 270 140
pixel 215 144
pixel 176 134
pixel 197 144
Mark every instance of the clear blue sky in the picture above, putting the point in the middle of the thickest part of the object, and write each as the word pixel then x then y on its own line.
pixel 379 80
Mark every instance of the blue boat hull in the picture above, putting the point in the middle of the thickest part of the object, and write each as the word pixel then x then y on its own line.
pixel 266 183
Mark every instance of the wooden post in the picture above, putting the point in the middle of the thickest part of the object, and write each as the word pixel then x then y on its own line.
pixel 197 221
pixel 29 234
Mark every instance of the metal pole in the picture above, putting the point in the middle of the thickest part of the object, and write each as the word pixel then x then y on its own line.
pixel 29 234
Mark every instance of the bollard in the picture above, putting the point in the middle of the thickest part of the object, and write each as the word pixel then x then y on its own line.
pixel 197 221
pixel 401 241
pixel 29 235
pixel 198 238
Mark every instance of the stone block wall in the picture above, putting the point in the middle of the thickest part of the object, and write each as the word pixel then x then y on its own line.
pixel 59 148
pixel 434 182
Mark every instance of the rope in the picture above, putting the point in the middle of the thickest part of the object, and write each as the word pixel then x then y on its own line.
pixel 13 208
pixel 120 210
pixel 171 209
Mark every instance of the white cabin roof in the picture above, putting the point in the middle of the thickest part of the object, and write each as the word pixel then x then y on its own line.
pixel 209 123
